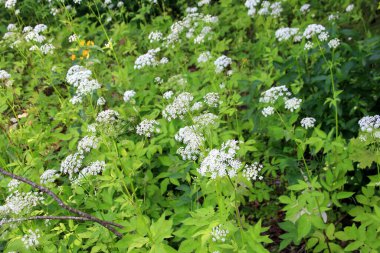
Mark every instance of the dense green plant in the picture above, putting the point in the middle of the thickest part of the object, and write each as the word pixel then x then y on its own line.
pixel 158 126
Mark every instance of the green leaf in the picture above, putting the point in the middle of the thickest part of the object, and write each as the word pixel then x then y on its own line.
pixel 353 246
pixel 303 226
pixel 344 195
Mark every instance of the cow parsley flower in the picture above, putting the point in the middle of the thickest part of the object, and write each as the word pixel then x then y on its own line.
pixel 155 36
pixel 308 122
pixel 193 139
pixel 221 63
pixel 11 28
pixel 73 38
pixel 18 202
pixel 10 4
pixel 323 36
pixel 79 77
pixel 31 239
pixel 334 43
pixel 221 162
pixel 203 2
pixel 4 75
pixel 158 80
pixel 308 45
pixel 267 111
pixel 196 106
pixel 147 127
pixel 167 95
pixel 251 171
pixel 350 8
pixel 313 29
pixel 305 8
pixel 274 93
pixel 205 120
pixel 149 59
pixel 285 33
pixel 72 164
pixel 47 48
pixel 101 101
pixel 204 57
pixel 212 99
pixel 87 143
pixel 49 176
pixel 179 107
pixel 369 123
pixel 13 185
pixel 95 168
pixel 128 95
pixel 219 234
pixel 293 104
pixel 333 17
pixel 107 117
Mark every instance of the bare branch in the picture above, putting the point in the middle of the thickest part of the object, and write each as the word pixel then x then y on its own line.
pixel 107 224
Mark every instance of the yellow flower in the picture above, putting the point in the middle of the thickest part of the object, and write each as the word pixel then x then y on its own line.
pixel 81 43
pixel 90 43
pixel 73 57
pixel 86 53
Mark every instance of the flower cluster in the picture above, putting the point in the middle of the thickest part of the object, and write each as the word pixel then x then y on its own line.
pixel 147 127
pixel 49 176
pixel 80 78
pixel 334 43
pixel 95 168
pixel 155 36
pixel 286 33
pixel 305 8
pixel 369 124
pixel 87 143
pixel 107 117
pixel 251 171
pixel 13 185
pixel 274 94
pixel 31 239
pixel 72 164
pixel 167 95
pixel 128 95
pixel 204 57
pixel 212 99
pixel 18 202
pixel 264 8
pixel 221 162
pixel 219 234
pixel 308 122
pixel 193 139
pixel 149 59
pixel 221 63
pixel 179 107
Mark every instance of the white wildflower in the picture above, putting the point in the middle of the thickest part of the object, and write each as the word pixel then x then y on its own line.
pixel 267 111
pixel 219 234
pixel 196 106
pixel 107 117
pixel 204 57
pixel 251 171
pixel 285 33
pixel 334 43
pixel 147 127
pixel 101 101
pixel 13 185
pixel 305 8
pixel 31 239
pixel 155 36
pixel 369 123
pixel 221 63
pixel 73 38
pixel 18 202
pixel 212 99
pixel 49 176
pixel 323 36
pixel 350 8
pixel 179 107
pixel 193 139
pixel 308 122
pixel 293 104
pixel 4 75
pixel 72 164
pixel 167 95
pixel 313 29
pixel 87 143
pixel 128 95
pixel 274 93
pixel 308 45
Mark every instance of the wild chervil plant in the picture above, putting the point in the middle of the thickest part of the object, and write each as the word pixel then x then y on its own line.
pixel 189 126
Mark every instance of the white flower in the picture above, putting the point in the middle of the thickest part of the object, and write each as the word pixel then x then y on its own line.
pixel 155 36
pixel 203 2
pixel 107 117
pixel 205 120
pixel 11 28
pixel 13 185
pixel 308 45
pixel 334 43
pixel 196 106
pixel 128 95
pixel 79 77
pixel 313 29
pixel 73 38
pixel 49 176
pixel 87 143
pixel 323 36
pixel 47 48
pixel 267 111
pixel 221 63
pixel 4 75
pixel 274 93
pixel 333 17
pixel 221 162
pixel 218 234
pixel 350 8
pixel 120 4
pixel 293 104
pixel 72 164
pixel 193 139
pixel 167 95
pixel 305 8
pixel 369 123
pixel 147 127
pixel 91 128
pixel 31 239
pixel 179 107
pixel 10 4
pixel 285 33
pixel 158 80
pixel 204 57
pixel 148 59
pixel 101 101
pixel 93 169
pixel 251 171
pixel 18 202
pixel 212 99
pixel 308 122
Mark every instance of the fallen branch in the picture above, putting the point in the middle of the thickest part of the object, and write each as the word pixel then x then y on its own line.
pixel 85 216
